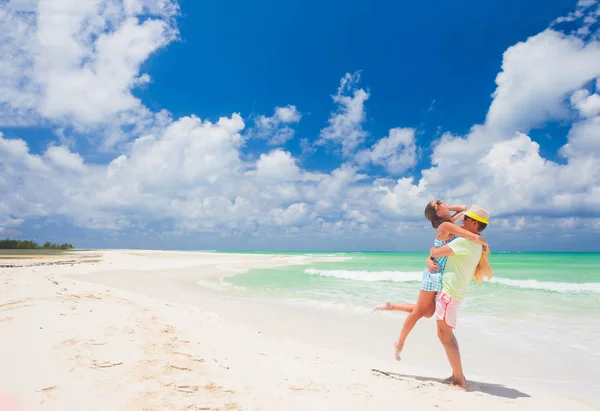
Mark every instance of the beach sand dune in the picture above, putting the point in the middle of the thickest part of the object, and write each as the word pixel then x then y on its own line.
pixel 69 344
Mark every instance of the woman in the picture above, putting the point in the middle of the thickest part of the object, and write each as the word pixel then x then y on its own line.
pixel 438 213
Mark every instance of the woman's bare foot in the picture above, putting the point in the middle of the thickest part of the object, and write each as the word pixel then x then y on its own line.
pixel 383 307
pixel 459 383
pixel 398 350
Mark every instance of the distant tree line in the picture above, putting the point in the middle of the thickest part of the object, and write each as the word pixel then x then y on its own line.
pixel 31 245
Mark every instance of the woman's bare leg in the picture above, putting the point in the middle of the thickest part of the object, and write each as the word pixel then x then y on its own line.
pixel 423 308
pixel 388 306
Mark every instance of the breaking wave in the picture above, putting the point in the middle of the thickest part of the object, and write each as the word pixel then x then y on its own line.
pixel 408 276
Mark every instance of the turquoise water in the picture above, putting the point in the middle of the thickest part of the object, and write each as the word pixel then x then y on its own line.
pixel 524 284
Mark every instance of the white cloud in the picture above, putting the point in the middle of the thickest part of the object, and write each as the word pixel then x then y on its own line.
pixel 292 215
pixel 187 153
pixel 583 13
pixel 535 82
pixel 287 114
pixel 190 172
pixel 345 124
pixel 188 162
pixel 586 3
pixel 61 156
pixel 396 152
pixel 23 5
pixel 77 62
pixel 276 128
pixel 7 224
pixel 404 199
pixel 336 184
pixel 18 91
pixel 277 165
pixel 588 105
pixel 306 146
pixel 584 139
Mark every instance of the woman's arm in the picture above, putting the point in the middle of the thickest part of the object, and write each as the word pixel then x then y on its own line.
pixel 458 207
pixel 452 228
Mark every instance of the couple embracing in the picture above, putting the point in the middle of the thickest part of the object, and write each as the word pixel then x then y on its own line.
pixel 459 255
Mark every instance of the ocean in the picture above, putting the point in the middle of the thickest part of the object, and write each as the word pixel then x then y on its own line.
pixel 546 285
pixel 542 305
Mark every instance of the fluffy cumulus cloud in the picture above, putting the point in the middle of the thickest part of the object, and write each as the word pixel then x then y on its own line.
pixel 396 152
pixel 533 86
pixel 192 173
pixel 76 64
pixel 345 124
pixel 276 129
pixel 587 104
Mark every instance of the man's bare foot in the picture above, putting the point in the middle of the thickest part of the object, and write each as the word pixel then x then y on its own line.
pixel 398 350
pixel 459 383
pixel 383 307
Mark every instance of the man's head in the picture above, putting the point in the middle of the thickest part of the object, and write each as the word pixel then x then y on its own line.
pixel 476 219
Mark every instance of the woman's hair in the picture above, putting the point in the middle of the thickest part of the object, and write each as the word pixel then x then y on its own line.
pixel 483 267
pixel 431 214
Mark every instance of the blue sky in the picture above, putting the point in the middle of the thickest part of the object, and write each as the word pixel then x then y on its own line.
pixel 341 120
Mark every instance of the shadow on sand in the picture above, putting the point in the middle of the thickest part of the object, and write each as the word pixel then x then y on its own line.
pixel 497 390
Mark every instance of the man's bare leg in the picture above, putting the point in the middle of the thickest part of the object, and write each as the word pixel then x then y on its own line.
pixel 388 306
pixel 424 308
pixel 448 340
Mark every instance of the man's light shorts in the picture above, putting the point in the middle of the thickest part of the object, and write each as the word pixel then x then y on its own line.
pixel 446 308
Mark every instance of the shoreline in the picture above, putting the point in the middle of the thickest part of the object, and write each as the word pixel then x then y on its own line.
pixel 141 320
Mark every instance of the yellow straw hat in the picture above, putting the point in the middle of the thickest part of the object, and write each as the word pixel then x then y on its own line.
pixel 479 214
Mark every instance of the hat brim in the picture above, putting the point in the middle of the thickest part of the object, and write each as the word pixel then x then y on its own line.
pixel 475 217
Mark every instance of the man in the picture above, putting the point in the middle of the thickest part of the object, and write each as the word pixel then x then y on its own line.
pixel 463 258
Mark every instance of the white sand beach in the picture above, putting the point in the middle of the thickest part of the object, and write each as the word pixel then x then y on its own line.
pixel 131 330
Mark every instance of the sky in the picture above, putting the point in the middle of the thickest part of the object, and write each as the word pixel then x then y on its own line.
pixel 298 125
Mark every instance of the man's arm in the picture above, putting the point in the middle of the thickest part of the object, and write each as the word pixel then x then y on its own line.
pixel 432 266
pixel 443 251
pixel 459 246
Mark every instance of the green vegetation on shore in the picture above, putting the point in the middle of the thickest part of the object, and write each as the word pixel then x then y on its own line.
pixel 31 245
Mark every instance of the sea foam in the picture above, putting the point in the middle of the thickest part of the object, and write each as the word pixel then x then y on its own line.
pixel 549 285
pixel 394 276
pixel 409 276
